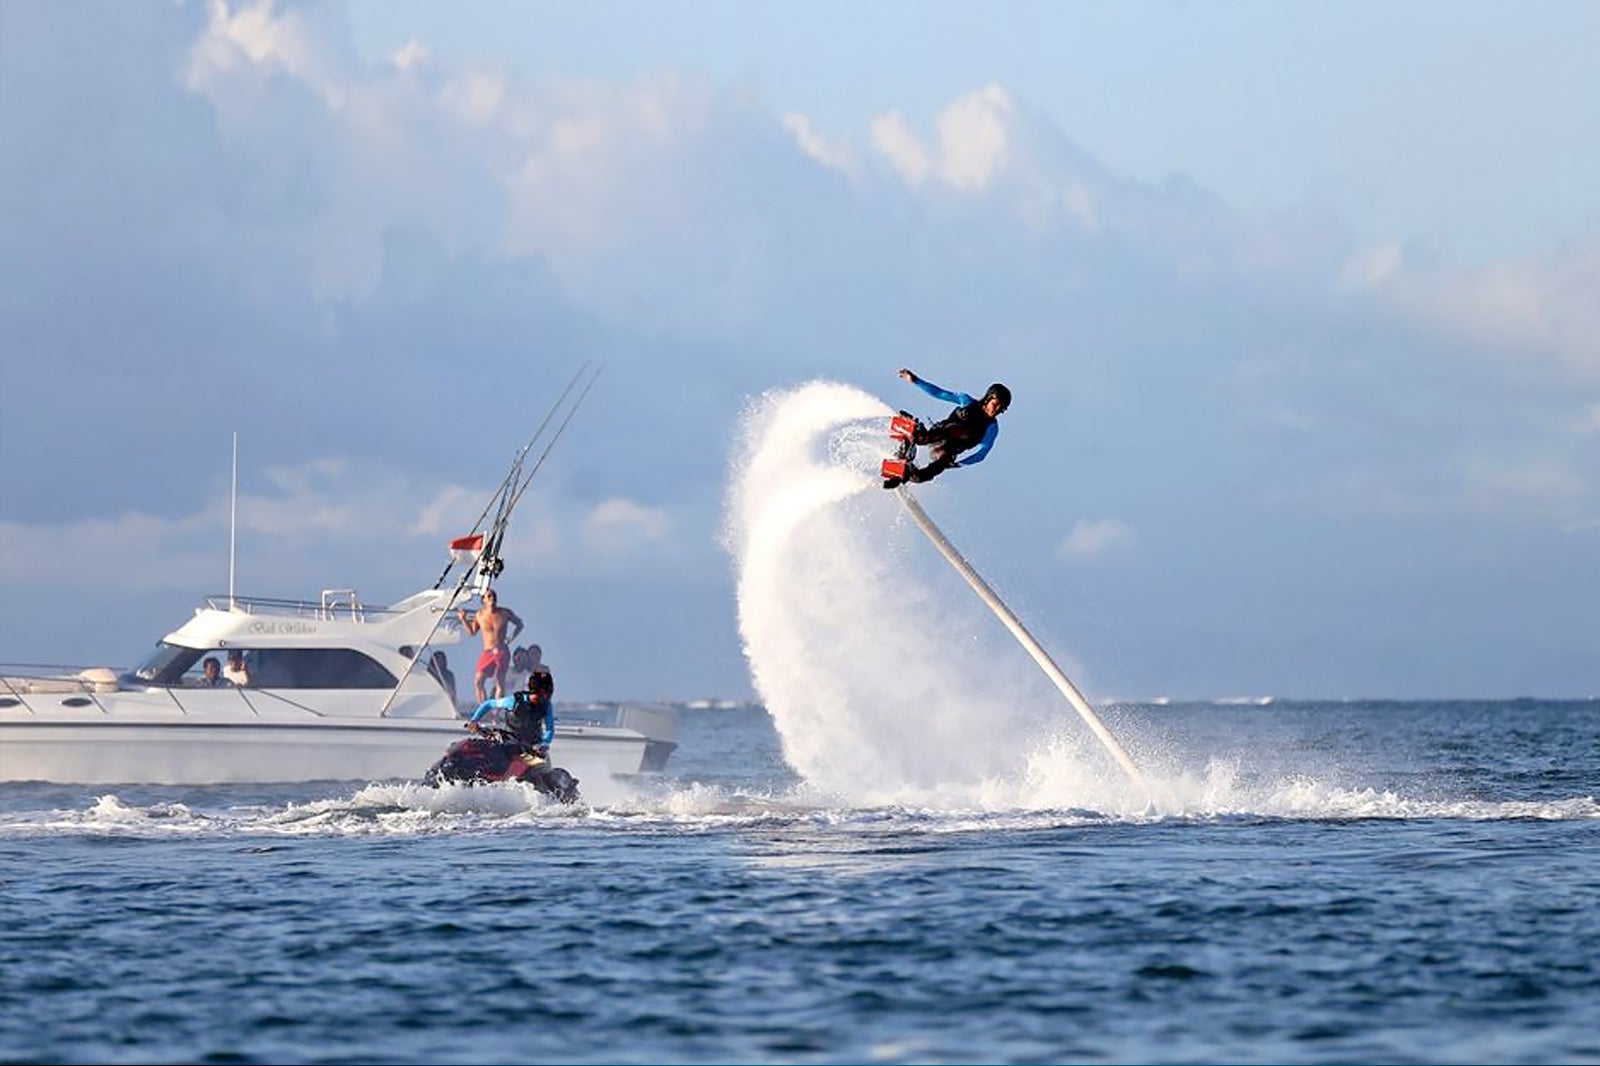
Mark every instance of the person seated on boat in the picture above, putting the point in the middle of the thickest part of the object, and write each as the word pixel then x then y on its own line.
pixel 529 717
pixel 211 673
pixel 517 677
pixel 439 667
pixel 491 621
pixel 236 672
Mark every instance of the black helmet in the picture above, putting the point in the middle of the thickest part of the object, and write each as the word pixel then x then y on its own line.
pixel 1001 393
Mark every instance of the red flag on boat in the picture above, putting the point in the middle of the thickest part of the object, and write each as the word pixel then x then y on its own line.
pixel 466 549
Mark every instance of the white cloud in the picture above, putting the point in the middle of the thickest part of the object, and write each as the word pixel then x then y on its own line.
pixel 973 139
pixel 812 143
pixel 257 35
pixel 893 137
pixel 973 142
pixel 413 56
pixel 475 97
pixel 623 525
pixel 1545 307
pixel 445 516
pixel 603 173
pixel 338 519
pixel 1094 537
pixel 338 153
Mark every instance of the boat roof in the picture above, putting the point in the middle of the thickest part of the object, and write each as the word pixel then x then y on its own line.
pixel 338 619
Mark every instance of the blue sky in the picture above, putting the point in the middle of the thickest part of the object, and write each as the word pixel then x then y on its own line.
pixel 1297 302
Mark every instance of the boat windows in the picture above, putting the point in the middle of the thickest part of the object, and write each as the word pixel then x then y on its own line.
pixel 316 668
pixel 176 666
pixel 167 664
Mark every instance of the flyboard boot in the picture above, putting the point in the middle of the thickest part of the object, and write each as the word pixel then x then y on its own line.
pixel 903 431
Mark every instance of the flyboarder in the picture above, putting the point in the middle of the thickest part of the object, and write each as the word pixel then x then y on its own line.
pixel 973 424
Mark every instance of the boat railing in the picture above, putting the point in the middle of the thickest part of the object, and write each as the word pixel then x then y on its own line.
pixel 335 605
pixel 18 680
pixel 21 684
pixel 33 687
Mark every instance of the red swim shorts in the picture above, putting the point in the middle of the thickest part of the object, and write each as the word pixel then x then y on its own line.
pixel 494 660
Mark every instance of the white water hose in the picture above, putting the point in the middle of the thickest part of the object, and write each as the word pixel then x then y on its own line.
pixel 1040 656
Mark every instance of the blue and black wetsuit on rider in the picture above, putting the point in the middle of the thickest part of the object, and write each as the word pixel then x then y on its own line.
pixel 973 424
pixel 527 716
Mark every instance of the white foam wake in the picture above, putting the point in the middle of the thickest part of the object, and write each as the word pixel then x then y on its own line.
pixel 1055 791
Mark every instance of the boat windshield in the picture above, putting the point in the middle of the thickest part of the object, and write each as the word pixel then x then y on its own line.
pixel 167 664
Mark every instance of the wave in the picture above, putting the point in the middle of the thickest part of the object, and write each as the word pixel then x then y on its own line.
pixel 668 807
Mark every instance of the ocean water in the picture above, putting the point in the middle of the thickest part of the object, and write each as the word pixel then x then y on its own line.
pixel 1347 882
pixel 913 850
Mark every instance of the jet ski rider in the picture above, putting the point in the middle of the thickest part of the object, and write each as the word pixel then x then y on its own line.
pixel 527 717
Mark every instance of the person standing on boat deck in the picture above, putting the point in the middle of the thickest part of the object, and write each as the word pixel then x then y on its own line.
pixel 973 424
pixel 236 672
pixel 490 621
pixel 211 673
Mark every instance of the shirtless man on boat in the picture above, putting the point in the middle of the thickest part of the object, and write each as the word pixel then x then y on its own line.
pixel 491 621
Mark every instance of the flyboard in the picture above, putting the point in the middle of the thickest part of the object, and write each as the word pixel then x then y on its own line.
pixel 894 472
pixel 903 431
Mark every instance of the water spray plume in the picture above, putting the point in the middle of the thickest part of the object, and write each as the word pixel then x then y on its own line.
pixel 882 685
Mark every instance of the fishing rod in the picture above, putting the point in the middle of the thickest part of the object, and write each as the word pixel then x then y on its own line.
pixel 490 565
pixel 559 430
pixel 507 502
pixel 514 473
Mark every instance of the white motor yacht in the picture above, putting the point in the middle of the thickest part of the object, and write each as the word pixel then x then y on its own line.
pixel 333 689
pixel 333 693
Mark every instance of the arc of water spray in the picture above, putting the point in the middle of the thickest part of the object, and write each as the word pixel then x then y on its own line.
pixel 1020 631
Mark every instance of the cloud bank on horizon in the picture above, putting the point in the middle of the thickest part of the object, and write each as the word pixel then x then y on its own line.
pixel 1247 454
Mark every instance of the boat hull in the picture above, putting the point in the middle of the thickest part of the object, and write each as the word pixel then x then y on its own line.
pixel 203 753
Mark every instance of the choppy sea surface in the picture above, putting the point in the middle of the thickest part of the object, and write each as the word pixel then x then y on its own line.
pixel 1306 882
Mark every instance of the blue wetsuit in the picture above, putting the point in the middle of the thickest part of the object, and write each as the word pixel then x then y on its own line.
pixel 968 426
pixel 532 722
